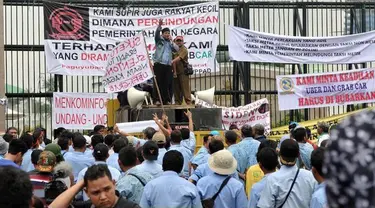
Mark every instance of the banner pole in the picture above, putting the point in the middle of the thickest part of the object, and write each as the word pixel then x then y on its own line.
pixel 156 82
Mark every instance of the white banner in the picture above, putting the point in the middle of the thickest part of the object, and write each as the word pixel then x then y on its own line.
pixel 326 89
pixel 257 112
pixel 128 65
pixel 79 110
pixel 138 126
pixel 77 39
pixel 250 46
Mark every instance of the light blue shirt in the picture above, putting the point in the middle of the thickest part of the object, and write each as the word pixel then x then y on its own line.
pixel 78 161
pixel 187 157
pixel 114 173
pixel 130 187
pixel 305 150
pixel 71 149
pixel 190 143
pixel 27 165
pixel 204 170
pixel 250 147
pixel 112 161
pixel 278 185
pixel 319 197
pixel 138 142
pixel 201 157
pixel 231 196
pixel 162 152
pixel 255 192
pixel 170 191
pixel 152 167
pixel 240 155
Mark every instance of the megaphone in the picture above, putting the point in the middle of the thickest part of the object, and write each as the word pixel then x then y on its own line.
pixel 206 95
pixel 136 97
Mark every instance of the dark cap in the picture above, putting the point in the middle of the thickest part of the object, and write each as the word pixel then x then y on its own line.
pixel 100 151
pixel 150 150
pixel 289 152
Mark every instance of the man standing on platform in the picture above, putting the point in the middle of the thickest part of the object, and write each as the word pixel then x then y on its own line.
pixel 181 81
pixel 163 64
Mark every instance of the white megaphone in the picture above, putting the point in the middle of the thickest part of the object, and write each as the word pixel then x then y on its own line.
pixel 136 97
pixel 206 95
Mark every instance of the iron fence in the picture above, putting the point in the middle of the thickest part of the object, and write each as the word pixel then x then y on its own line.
pixel 29 87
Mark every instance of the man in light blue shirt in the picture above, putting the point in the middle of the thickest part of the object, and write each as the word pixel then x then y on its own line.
pixel 170 190
pixel 305 149
pixel 160 140
pixel 233 195
pixel 268 161
pixel 100 154
pixel 175 145
pixel 202 155
pixel 120 143
pixel 187 135
pixel 278 184
pixel 150 165
pixel 292 125
pixel 204 169
pixel 238 153
pixel 79 159
pixel 132 183
pixel 27 165
pixel 249 145
pixel 17 148
pixel 319 198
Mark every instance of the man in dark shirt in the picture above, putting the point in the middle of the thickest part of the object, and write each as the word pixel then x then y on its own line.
pixel 99 187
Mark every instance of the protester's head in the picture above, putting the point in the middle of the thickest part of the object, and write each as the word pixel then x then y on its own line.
pixel 12 131
pixel 323 127
pixel 127 157
pixel 140 157
pixel 246 131
pixel 231 137
pixel 64 143
pixel 99 129
pixel 317 159
pixel 166 33
pixel 53 189
pixel 15 188
pixel 38 134
pixel 99 186
pixel 28 139
pixel 185 133
pixel 268 143
pixel 268 159
pixel 110 130
pixel 176 137
pixel 150 151
pixel 35 156
pixel 46 162
pixel 173 161
pixel 96 139
pixel 148 133
pixel 17 148
pixel 258 130
pixel 233 127
pixel 159 139
pixel 79 142
pixel 56 150
pixel 67 134
pixel 207 140
pixel 179 40
pixel 218 137
pixel 119 144
pixel 8 137
pixel 292 125
pixel 108 140
pixel 215 146
pixel 299 134
pixel 100 152
pixel 222 163
pixel 289 152
pixel 64 172
pixel 3 147
pixel 57 132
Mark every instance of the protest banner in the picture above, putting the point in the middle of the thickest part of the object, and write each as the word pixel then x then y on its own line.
pixel 326 89
pixel 137 126
pixel 77 39
pixel 257 112
pixel 250 46
pixel 79 110
pixel 128 65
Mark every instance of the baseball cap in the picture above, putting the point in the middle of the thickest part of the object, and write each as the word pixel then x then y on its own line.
pixel 292 125
pixel 159 138
pixel 101 151
pixel 55 149
pixel 179 38
pixel 46 162
pixel 3 146
pixel 150 150
pixel 214 133
pixel 289 152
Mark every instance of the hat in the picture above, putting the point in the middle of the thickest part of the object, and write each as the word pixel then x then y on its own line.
pixel 289 152
pixel 55 149
pixel 3 146
pixel 214 133
pixel 179 38
pixel 150 150
pixel 222 162
pixel 292 125
pixel 159 138
pixel 46 162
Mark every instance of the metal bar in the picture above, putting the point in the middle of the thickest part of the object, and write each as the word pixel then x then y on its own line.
pixel 304 33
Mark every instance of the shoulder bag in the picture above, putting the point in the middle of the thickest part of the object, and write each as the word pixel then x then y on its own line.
pixel 137 178
pixel 290 190
pixel 210 202
pixel 188 68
